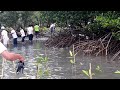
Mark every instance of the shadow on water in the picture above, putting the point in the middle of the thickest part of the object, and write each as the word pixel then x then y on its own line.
pixel 59 63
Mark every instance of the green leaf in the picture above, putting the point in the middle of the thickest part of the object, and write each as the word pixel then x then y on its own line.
pixel 98 68
pixel 70 53
pixel 41 59
pixel 71 61
pixel 40 72
pixel 117 72
pixel 38 61
pixel 46 59
pixel 46 72
pixel 85 72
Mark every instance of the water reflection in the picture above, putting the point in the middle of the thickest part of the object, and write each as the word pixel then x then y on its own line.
pixel 59 63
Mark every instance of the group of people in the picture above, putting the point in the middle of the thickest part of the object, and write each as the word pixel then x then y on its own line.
pixel 5 36
pixel 30 31
pixel 3 46
pixel 5 40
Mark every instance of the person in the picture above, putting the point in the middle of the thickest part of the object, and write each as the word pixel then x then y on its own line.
pixel 9 55
pixel 30 33
pixel 36 29
pixel 14 35
pixel 4 36
pixel 22 35
pixel 52 29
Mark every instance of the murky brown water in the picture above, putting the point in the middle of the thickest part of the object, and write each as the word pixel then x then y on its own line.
pixel 59 64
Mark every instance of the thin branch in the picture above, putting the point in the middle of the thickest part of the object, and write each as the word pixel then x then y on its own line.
pixel 115 55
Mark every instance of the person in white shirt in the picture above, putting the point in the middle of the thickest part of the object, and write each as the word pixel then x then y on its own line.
pixel 14 35
pixel 4 36
pixel 22 35
pixel 30 33
pixel 9 55
pixel 52 29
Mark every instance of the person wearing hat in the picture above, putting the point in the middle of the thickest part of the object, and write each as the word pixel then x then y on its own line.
pixel 4 36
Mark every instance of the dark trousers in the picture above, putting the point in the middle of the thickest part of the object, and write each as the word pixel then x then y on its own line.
pixel 36 33
pixel 52 30
pixel 23 39
pixel 31 37
pixel 15 42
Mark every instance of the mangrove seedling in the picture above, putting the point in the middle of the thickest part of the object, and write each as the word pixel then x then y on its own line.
pixel 43 72
pixel 117 72
pixel 72 54
pixel 98 68
pixel 41 62
pixel 88 72
pixel 42 59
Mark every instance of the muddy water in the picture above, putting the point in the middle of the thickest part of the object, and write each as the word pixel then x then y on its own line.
pixel 59 64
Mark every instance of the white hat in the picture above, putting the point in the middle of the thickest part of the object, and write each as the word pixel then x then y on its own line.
pixel 2 27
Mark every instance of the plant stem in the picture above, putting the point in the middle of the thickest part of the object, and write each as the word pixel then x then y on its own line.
pixel 3 67
pixel 45 52
pixel 37 71
pixel 73 54
pixel 90 71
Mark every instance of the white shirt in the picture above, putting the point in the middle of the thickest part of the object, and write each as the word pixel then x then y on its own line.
pixel 14 35
pixel 4 34
pixel 30 30
pixel 22 32
pixel 2 48
pixel 2 27
pixel 52 25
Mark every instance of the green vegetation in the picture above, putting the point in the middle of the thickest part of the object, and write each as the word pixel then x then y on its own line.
pixel 72 54
pixel 88 72
pixel 117 72
pixel 98 69
pixel 97 22
pixel 42 68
